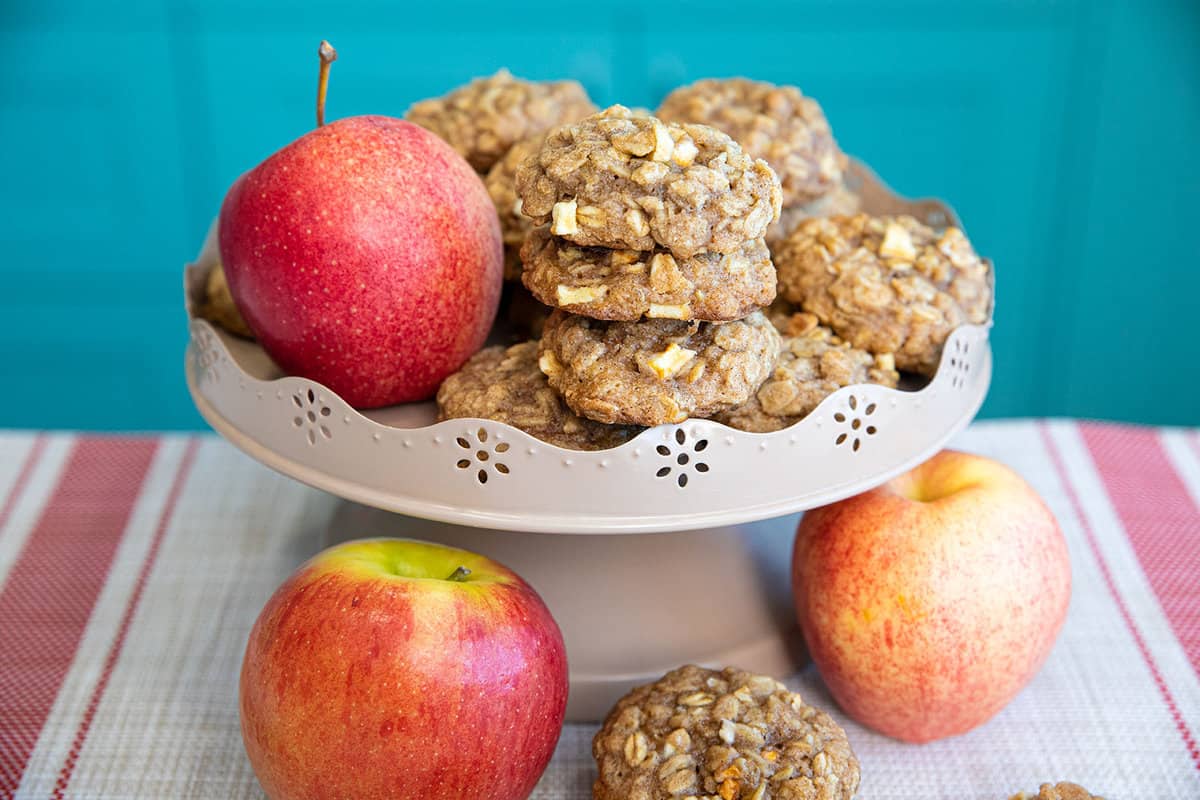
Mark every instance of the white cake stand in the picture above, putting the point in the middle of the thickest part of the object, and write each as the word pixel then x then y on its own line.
pixel 707 582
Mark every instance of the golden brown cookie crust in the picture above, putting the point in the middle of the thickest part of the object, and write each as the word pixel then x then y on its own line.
pixel 624 181
pixel 483 119
pixel 501 185
pixel 775 123
pixel 656 371
pixel 631 284
pixel 505 384
pixel 1058 791
pixel 886 284
pixel 728 734
pixel 813 364
pixel 840 202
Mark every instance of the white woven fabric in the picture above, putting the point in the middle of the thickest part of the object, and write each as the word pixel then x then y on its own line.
pixel 1116 708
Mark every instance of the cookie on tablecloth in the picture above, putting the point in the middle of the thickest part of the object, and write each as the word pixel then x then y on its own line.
pixel 1058 791
pixel 624 181
pixel 656 371
pixel 813 364
pixel 483 119
pixel 629 284
pixel 721 734
pixel 886 284
pixel 505 384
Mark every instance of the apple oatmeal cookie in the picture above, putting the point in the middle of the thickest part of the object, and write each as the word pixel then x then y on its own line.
pixel 483 119
pixel 813 364
pixel 655 371
pixel 1058 791
pixel 625 181
pixel 729 734
pixel 886 284
pixel 631 284
pixel 506 385
pixel 775 123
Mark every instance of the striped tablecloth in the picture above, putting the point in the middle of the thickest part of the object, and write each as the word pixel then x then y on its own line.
pixel 131 570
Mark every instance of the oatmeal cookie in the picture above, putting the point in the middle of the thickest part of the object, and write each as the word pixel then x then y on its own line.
pixel 813 364
pixel 507 386
pixel 656 371
pixel 775 123
pixel 623 181
pixel 501 185
pixel 630 284
pixel 886 284
pixel 729 734
pixel 1058 791
pixel 839 202
pixel 218 306
pixel 489 115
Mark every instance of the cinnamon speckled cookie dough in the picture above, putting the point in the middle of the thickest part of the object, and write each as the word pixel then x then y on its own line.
pixel 1058 791
pixel 624 181
pixel 656 371
pixel 775 123
pixel 840 201
pixel 629 284
pixel 813 364
pixel 700 733
pixel 501 184
pixel 886 284
pixel 483 119
pixel 506 385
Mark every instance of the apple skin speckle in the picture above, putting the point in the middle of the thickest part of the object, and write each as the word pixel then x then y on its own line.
pixel 377 215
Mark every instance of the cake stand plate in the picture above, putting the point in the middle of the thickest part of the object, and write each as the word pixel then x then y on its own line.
pixel 630 607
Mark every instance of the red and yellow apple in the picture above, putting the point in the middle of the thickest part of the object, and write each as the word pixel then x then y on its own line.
pixel 391 668
pixel 929 602
pixel 365 255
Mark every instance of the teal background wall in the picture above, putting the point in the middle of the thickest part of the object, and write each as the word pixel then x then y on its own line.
pixel 1065 134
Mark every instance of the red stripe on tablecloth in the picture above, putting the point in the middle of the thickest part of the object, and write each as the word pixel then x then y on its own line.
pixel 18 487
pixel 48 598
pixel 1159 517
pixel 114 651
pixel 1189 741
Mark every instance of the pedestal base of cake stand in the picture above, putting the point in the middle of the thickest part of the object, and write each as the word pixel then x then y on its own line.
pixel 632 607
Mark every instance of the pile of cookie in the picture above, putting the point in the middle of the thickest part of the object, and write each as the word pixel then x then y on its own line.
pixel 649 246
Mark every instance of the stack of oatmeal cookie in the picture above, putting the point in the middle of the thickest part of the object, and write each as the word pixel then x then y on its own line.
pixel 650 249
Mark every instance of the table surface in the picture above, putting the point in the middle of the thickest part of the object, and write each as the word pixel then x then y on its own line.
pixel 131 570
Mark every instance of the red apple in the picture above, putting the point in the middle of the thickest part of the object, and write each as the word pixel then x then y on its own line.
pixel 389 668
pixel 929 602
pixel 365 255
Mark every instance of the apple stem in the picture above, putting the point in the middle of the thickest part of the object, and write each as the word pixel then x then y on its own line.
pixel 460 574
pixel 328 56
